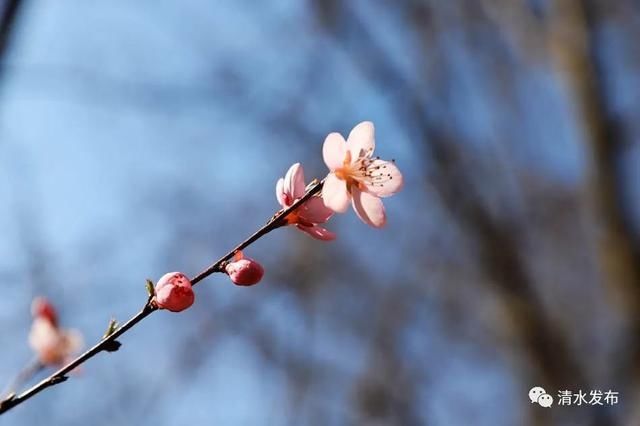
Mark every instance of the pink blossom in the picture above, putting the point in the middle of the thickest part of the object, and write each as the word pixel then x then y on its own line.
pixel 357 177
pixel 174 292
pixel 53 346
pixel 311 213
pixel 243 270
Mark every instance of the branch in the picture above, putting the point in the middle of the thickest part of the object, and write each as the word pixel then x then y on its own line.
pixel 109 343
pixel 7 23
pixel 22 377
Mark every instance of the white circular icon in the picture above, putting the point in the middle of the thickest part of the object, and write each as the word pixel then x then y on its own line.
pixel 535 393
pixel 545 400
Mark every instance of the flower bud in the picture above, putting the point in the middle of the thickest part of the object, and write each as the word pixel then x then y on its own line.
pixel 52 345
pixel 244 271
pixel 174 292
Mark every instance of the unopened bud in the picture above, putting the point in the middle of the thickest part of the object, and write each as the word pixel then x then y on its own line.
pixel 244 271
pixel 173 292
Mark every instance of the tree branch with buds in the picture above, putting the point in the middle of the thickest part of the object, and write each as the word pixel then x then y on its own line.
pixel 109 342
pixel 355 177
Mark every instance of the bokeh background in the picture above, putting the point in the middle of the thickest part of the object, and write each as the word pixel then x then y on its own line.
pixel 143 137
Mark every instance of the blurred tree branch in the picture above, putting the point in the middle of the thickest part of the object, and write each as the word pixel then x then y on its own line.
pixel 10 13
pixel 497 241
pixel 573 40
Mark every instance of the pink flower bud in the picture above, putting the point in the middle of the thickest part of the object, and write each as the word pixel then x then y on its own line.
pixel 174 292
pixel 244 271
pixel 52 345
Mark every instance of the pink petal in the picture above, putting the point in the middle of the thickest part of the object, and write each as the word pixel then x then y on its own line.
pixel 280 192
pixel 294 181
pixel 315 211
pixel 318 232
pixel 73 340
pixel 51 344
pixel 369 208
pixel 335 194
pixel 334 150
pixel 361 141
pixel 43 335
pixel 390 179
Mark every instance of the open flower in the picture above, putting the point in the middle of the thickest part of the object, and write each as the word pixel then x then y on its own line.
pixel 244 271
pixel 311 213
pixel 53 346
pixel 357 177
pixel 173 292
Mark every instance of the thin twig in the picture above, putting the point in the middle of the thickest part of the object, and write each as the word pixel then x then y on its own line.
pixel 30 370
pixel 109 343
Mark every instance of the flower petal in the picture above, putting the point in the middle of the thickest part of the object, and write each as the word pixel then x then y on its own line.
pixel 73 341
pixel 387 179
pixel 43 335
pixel 333 151
pixel 369 208
pixel 315 211
pixel 294 181
pixel 318 232
pixel 280 192
pixel 335 194
pixel 361 141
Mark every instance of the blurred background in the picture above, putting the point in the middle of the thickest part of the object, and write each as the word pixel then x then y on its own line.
pixel 143 137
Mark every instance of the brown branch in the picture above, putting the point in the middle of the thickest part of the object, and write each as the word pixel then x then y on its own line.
pixel 7 24
pixel 572 41
pixel 576 51
pixel 109 342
